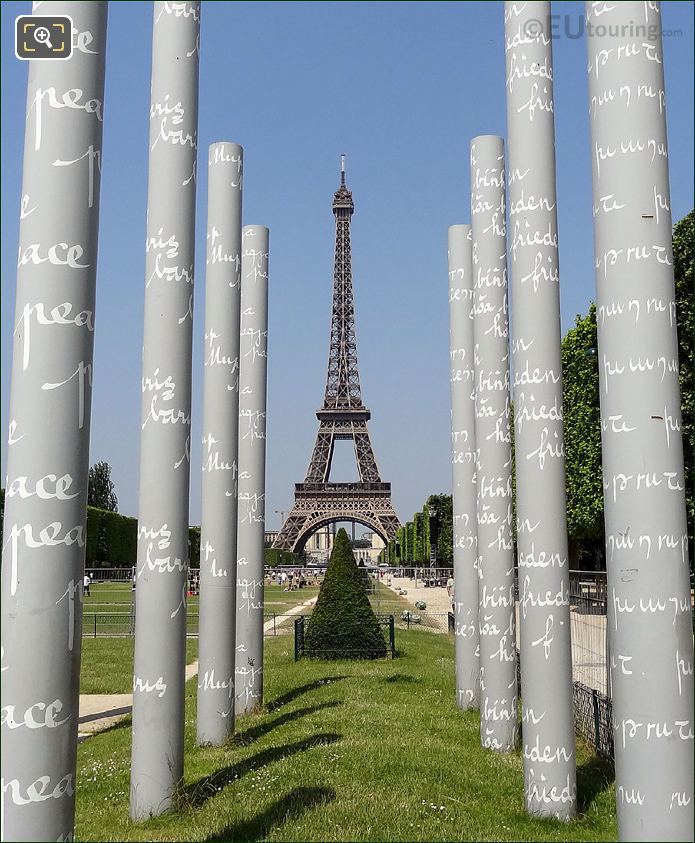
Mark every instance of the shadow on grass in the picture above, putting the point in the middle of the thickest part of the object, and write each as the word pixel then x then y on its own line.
pixel 199 792
pixel 290 807
pixel 593 777
pixel 400 679
pixel 289 696
pixel 254 732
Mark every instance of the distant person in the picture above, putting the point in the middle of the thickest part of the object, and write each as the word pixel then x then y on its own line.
pixel 86 582
pixel 134 579
pixel 450 591
pixel 283 580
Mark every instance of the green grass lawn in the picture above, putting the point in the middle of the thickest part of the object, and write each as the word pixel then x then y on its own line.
pixel 107 664
pixel 343 751
pixel 278 601
pixel 117 597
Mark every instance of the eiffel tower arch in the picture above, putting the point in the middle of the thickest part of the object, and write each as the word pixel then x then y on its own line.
pixel 318 502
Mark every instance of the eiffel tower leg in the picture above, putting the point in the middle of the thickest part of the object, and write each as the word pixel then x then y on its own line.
pixel 248 691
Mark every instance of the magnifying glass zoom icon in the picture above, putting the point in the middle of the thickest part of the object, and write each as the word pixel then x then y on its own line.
pixel 43 36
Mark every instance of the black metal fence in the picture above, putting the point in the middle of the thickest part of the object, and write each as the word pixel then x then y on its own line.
pixel 122 624
pixel 386 622
pixel 593 714
pixel 593 718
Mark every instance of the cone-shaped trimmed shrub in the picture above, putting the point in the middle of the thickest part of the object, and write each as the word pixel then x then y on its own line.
pixel 343 625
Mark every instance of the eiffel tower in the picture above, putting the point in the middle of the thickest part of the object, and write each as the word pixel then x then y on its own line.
pixel 317 502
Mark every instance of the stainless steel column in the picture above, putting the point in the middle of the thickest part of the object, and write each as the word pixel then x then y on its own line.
pixel 467 639
pixel 544 618
pixel 163 548
pixel 251 518
pixel 217 607
pixel 498 692
pixel 48 446
pixel 649 614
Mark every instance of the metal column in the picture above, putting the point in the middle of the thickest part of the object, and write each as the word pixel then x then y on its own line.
pixel 550 785
pixel 467 639
pixel 216 636
pixel 649 614
pixel 251 517
pixel 163 547
pixel 48 445
pixel 498 692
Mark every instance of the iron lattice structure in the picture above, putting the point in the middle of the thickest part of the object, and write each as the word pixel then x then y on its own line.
pixel 317 502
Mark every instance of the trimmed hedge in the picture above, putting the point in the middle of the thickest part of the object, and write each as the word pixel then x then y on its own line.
pixel 112 539
pixel 275 557
pixel 343 625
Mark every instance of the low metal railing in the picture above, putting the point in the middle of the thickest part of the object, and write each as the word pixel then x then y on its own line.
pixel 386 622
pixel 122 624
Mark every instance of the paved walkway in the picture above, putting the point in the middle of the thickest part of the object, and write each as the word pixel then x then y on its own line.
pixel 436 598
pixel 588 631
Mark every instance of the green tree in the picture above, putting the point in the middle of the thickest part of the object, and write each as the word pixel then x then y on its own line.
pixel 400 544
pixel 343 624
pixel 409 557
pixel 101 491
pixel 684 276
pixel 441 527
pixel 582 425
pixel 417 538
pixel 426 533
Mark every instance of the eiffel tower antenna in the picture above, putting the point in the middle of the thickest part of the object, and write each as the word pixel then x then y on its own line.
pixel 342 416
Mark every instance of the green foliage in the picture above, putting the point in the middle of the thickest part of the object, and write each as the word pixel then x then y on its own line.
pixel 101 492
pixel 102 545
pixel 418 555
pixel 112 539
pixel 400 541
pixel 194 546
pixel 343 625
pixel 409 542
pixel 275 557
pixel 426 530
pixel 442 528
pixel 684 275
pixel 582 425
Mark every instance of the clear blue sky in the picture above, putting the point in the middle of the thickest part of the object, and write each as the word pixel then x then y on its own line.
pixel 401 88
